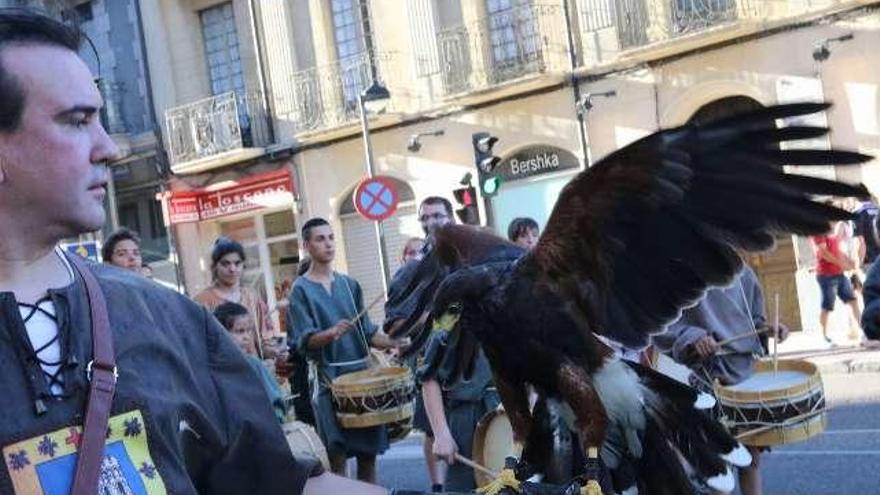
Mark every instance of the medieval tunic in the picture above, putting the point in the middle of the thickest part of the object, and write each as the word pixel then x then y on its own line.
pixel 313 309
pixel 464 401
pixel 724 312
pixel 194 420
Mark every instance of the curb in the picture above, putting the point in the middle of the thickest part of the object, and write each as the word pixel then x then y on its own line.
pixel 848 365
pixel 840 360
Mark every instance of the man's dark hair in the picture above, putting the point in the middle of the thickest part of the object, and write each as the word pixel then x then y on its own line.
pixel 311 224
pixel 520 226
pixel 19 26
pixel 119 235
pixel 224 246
pixel 304 265
pixel 227 312
pixel 437 200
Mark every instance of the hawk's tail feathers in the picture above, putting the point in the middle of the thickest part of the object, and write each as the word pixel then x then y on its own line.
pixel 678 414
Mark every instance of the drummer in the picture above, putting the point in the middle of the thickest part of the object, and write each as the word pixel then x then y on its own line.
pixel 323 305
pixel 724 312
pixel 453 406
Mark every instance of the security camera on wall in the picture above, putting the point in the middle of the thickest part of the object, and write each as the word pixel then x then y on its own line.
pixel 414 144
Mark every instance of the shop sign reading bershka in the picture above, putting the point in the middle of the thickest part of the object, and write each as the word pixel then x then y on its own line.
pixel 535 160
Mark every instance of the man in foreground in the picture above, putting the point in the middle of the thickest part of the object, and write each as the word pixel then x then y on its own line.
pixel 185 418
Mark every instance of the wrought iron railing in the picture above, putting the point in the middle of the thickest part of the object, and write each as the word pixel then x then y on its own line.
pixel 326 95
pixel 607 29
pixel 502 46
pixel 215 125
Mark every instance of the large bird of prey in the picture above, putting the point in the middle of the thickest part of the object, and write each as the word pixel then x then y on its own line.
pixel 631 242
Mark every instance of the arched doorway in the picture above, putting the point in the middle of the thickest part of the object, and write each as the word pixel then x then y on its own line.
pixel 361 245
pixel 777 269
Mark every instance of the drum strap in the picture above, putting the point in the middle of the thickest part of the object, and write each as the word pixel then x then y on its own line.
pixel 360 325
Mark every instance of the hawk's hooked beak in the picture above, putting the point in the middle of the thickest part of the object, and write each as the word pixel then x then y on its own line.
pixel 447 321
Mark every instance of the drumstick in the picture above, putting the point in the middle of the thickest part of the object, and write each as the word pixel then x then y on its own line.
pixel 743 335
pixel 360 315
pixel 776 336
pixel 473 465
pixel 364 311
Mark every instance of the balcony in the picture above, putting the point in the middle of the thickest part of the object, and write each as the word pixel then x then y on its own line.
pixel 502 47
pixel 326 96
pixel 229 125
pixel 611 30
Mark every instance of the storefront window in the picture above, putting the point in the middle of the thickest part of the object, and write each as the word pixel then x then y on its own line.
pixel 284 258
pixel 280 223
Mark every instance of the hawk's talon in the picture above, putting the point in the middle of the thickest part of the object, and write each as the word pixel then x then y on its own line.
pixel 505 479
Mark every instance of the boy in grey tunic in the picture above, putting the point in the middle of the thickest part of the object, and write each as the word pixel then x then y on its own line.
pixel 724 312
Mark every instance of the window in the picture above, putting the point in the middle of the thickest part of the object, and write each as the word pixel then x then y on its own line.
pixel 693 15
pixel 157 226
pixel 224 60
pixel 349 49
pixel 129 217
pixel 221 49
pixel 84 11
pixel 514 36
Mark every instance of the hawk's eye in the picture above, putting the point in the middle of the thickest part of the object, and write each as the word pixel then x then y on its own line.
pixel 454 308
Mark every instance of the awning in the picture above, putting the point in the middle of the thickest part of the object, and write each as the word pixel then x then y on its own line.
pixel 230 197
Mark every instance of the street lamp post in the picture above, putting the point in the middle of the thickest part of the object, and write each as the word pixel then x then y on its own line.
pixel 373 98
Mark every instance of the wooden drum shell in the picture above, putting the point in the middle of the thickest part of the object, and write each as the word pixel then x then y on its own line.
pixel 376 396
pixel 797 410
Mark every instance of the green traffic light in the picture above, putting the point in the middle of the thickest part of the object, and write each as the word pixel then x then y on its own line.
pixel 491 185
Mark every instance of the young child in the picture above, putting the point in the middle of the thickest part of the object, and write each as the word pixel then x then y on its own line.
pixel 238 321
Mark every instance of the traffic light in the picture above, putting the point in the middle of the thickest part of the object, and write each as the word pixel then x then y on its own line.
pixel 486 163
pixel 469 213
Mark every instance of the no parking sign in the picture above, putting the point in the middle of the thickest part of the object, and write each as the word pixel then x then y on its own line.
pixel 376 198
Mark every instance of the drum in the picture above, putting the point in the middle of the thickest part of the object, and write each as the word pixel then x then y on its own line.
pixel 304 441
pixel 775 407
pixel 493 443
pixel 376 396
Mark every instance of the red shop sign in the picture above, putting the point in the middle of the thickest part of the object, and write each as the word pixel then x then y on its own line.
pixel 254 193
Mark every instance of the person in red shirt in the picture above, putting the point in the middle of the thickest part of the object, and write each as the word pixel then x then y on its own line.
pixel 830 268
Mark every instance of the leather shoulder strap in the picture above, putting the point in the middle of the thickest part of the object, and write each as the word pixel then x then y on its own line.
pixel 102 376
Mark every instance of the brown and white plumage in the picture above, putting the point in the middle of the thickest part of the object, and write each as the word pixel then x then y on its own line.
pixel 630 242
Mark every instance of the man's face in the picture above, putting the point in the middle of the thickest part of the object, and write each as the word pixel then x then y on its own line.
pixel 51 167
pixel 127 254
pixel 432 216
pixel 321 244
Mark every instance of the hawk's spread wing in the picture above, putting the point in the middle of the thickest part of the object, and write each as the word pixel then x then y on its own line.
pixel 652 225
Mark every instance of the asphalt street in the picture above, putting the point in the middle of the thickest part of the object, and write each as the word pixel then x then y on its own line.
pixel 843 460
pixel 846 458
